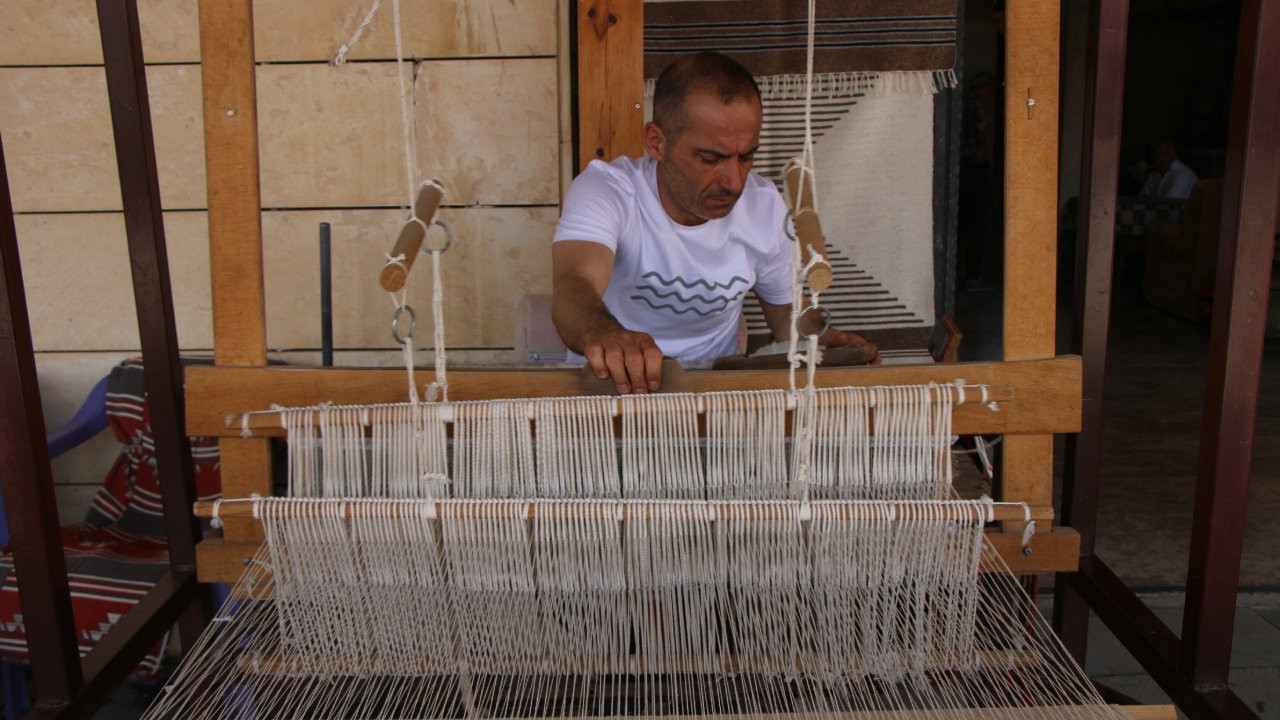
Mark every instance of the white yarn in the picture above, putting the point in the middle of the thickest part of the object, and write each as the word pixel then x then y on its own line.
pixel 846 84
pixel 746 445
pixel 660 457
pixel 597 608
pixel 340 58
pixel 493 449
pixel 576 455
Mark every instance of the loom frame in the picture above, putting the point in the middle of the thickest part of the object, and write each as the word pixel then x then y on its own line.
pixel 1194 670
pixel 609 95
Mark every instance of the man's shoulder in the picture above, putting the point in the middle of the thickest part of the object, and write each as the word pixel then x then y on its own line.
pixel 759 183
pixel 761 194
pixel 624 173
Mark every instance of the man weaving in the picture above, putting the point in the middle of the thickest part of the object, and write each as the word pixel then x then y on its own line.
pixel 654 256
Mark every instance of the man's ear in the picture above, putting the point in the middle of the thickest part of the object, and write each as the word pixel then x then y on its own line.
pixel 655 141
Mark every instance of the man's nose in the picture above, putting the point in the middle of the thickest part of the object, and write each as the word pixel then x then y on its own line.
pixel 733 175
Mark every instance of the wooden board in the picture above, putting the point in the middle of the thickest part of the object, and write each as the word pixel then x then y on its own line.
pixel 610 79
pixel 235 228
pixel 1031 180
pixel 231 166
pixel 1031 207
pixel 1046 393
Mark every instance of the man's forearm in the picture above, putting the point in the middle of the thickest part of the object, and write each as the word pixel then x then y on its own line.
pixel 578 311
pixel 778 318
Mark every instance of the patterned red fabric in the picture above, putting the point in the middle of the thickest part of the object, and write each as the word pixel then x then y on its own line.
pixel 118 553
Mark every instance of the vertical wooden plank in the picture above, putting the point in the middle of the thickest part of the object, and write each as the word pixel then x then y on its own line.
pixel 1031 178
pixel 610 79
pixel 1031 204
pixel 246 469
pixel 235 227
pixel 231 166
pixel 626 77
pixel 593 108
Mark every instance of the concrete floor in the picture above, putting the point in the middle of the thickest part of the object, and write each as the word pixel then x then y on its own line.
pixel 1152 423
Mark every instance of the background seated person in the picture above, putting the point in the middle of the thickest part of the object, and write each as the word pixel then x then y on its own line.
pixel 654 256
pixel 1168 177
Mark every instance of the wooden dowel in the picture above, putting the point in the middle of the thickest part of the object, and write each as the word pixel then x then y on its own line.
pixel 270 419
pixel 799 189
pixel 570 509
pixel 396 271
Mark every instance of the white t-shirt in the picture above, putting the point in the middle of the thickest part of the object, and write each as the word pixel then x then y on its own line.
pixel 684 285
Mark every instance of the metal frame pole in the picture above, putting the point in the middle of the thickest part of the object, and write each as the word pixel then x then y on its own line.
pixel 1245 252
pixel 1095 250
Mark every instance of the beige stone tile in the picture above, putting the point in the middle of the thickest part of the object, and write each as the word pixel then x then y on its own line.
pixel 65 32
pixel 429 28
pixel 187 236
pixel 291 257
pixel 489 129
pixel 59 146
pixel 57 137
pixel 177 120
pixel 330 137
pixel 78 286
pixel 499 255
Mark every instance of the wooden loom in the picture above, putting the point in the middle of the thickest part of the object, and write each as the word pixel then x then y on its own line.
pixel 1043 391
pixel 1040 393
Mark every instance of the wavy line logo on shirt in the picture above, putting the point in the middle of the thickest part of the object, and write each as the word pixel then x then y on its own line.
pixel 697 303
pixel 696 282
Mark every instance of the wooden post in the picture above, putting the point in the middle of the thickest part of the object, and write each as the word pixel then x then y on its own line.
pixel 610 79
pixel 235 227
pixel 1030 222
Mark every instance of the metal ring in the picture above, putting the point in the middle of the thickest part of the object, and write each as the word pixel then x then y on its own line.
pixel 826 319
pixel 788 226
pixel 395 324
pixel 448 239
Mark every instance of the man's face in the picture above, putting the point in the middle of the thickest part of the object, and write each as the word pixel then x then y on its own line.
pixel 1163 155
pixel 701 171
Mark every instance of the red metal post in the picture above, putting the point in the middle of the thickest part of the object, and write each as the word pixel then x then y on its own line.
pixel 1246 248
pixel 27 479
pixel 153 296
pixel 1100 168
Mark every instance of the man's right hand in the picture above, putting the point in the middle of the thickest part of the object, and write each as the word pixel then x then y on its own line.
pixel 632 359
